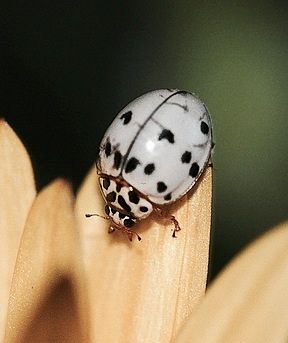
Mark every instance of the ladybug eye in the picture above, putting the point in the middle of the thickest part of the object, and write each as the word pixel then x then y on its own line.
pixel 107 210
pixel 128 222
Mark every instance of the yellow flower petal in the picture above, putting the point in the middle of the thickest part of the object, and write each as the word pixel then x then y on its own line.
pixel 17 191
pixel 143 291
pixel 249 300
pixel 47 296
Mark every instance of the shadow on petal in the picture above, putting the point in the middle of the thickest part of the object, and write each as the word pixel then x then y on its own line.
pixel 248 302
pixel 49 252
pixel 58 318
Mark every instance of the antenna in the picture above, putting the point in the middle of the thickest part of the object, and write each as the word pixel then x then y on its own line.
pixel 88 215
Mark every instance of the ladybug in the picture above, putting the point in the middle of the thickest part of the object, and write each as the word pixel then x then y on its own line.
pixel 151 155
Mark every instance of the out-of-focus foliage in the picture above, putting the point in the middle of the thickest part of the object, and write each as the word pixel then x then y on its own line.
pixel 66 68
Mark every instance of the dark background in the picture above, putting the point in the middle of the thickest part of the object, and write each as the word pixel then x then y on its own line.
pixel 67 68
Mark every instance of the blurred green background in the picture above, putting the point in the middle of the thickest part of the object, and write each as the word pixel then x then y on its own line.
pixel 67 67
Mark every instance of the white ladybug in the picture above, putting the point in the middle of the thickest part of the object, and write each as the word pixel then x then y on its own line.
pixel 152 154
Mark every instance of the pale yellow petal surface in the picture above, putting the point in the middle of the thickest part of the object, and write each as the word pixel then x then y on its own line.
pixel 143 291
pixel 17 191
pixel 47 302
pixel 249 300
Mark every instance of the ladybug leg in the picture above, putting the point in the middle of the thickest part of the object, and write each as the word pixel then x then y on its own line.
pixel 176 225
pixel 98 166
pixel 210 163
pixel 163 214
pixel 128 232
pixel 111 229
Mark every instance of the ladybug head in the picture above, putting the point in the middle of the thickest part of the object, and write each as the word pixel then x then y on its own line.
pixel 120 219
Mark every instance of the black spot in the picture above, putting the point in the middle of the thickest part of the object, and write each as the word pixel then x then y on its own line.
pixel 143 209
pixel 204 128
pixel 186 157
pixel 149 168
pixel 166 134
pixel 118 187
pixel 112 210
pixel 123 203
pixel 131 164
pixel 129 222
pixel 106 183
pixel 133 197
pixel 117 159
pixel 194 170
pixel 111 197
pixel 108 148
pixel 161 187
pixel 107 210
pixel 127 117
pixel 122 215
pixel 168 197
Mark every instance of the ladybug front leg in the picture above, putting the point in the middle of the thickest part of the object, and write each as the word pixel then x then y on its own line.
pixel 125 230
pixel 130 233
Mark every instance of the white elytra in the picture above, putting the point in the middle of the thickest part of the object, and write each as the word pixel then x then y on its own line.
pixel 159 144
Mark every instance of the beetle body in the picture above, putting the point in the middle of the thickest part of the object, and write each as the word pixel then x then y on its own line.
pixel 152 154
